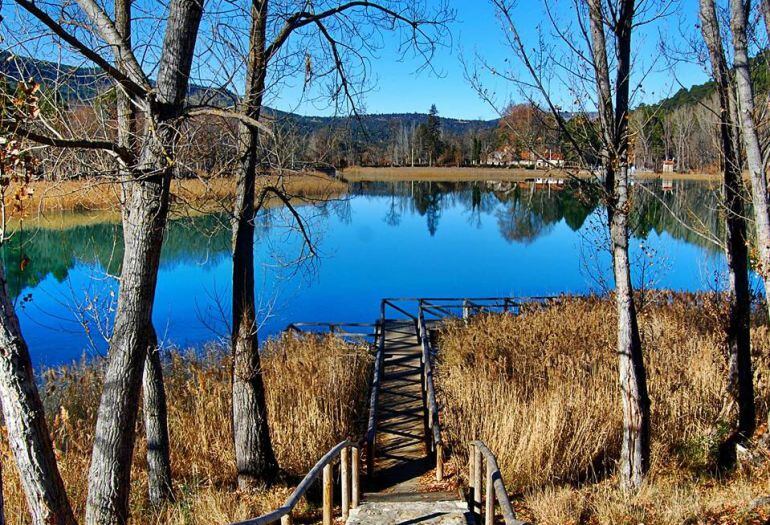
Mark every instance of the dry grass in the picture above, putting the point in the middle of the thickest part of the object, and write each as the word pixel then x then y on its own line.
pixel 541 391
pixel 316 391
pixel 359 173
pixel 212 194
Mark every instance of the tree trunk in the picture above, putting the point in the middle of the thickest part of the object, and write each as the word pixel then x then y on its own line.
pixel 635 453
pixel 155 421
pixel 2 499
pixel 254 456
pixel 144 224
pixel 26 425
pixel 740 387
pixel 755 164
pixel 156 425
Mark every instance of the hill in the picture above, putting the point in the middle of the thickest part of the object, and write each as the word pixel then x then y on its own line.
pixel 82 86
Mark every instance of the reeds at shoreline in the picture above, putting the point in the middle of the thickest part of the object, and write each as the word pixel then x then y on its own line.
pixel 541 390
pixel 315 388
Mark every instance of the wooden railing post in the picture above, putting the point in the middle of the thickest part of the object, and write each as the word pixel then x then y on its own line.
pixel 477 481
pixel 345 481
pixel 489 510
pixel 355 481
pixel 328 495
pixel 439 462
pixel 370 459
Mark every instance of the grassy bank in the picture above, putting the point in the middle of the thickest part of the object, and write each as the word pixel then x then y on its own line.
pixel 358 174
pixel 541 390
pixel 214 194
pixel 316 391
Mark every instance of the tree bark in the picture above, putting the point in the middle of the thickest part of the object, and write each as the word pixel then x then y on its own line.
pixel 25 422
pixel 156 425
pixel 738 19
pixel 144 224
pixel 254 456
pixel 155 419
pixel 740 387
pixel 635 453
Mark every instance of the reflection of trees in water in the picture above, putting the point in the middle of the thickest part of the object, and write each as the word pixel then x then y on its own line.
pixel 688 212
pixel 523 212
pixel 55 251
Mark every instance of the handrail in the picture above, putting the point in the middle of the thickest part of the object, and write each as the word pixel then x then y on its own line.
pixel 339 329
pixel 429 395
pixel 392 303
pixel 371 429
pixel 495 488
pixel 350 498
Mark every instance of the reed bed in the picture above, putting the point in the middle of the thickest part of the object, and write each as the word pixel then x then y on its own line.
pixel 200 193
pixel 541 390
pixel 315 388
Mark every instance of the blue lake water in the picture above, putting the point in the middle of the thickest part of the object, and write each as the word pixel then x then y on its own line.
pixel 382 240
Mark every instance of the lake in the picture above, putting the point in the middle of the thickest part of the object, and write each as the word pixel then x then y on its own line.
pixel 381 240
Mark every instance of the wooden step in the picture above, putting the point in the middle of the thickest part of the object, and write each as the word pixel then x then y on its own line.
pixel 412 496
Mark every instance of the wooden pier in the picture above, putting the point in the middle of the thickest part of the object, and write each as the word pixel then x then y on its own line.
pixel 403 444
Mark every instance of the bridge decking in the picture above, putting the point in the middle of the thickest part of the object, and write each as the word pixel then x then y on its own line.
pixel 401 459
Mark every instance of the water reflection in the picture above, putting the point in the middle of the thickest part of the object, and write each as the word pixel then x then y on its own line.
pixel 527 210
pixel 384 239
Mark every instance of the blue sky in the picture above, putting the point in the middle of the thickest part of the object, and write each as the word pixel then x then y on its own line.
pixel 398 87
pixel 476 30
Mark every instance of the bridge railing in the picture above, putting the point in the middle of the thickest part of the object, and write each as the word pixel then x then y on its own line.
pixel 491 489
pixel 370 439
pixel 434 443
pixel 349 459
pixel 350 331
pixel 467 307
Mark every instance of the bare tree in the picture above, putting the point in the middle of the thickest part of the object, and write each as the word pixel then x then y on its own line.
pixel 255 460
pixel 607 85
pixel 739 12
pixel 740 381
pixel 23 412
pixel 146 209
pixel 154 392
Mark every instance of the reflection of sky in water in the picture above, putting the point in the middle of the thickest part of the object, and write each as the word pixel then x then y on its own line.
pixel 386 240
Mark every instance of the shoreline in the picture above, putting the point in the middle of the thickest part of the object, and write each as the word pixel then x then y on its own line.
pixel 63 204
pixel 469 174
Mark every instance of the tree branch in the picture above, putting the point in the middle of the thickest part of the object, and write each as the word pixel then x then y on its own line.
pixel 122 52
pixel 303 18
pixel 228 114
pixel 128 84
pixel 112 148
pixel 286 201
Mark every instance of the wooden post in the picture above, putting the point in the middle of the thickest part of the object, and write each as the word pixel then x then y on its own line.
pixel 489 510
pixel 286 520
pixel 355 482
pixel 439 462
pixel 328 495
pixel 370 460
pixel 477 481
pixel 345 481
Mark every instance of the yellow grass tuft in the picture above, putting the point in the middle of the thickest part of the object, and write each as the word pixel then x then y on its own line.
pixel 316 395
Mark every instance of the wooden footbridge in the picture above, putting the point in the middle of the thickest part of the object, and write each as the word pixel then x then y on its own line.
pixel 403 447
